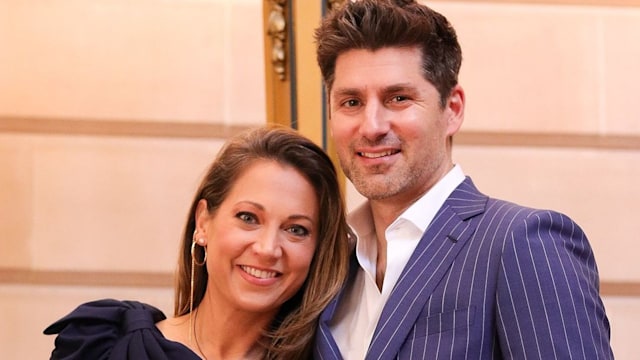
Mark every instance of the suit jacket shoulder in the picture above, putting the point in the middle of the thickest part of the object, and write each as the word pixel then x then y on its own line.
pixel 493 279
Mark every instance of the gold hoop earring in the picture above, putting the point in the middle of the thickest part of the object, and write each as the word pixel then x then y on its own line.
pixel 194 263
pixel 193 253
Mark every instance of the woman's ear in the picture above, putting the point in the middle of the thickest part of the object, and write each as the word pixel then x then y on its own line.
pixel 455 109
pixel 202 220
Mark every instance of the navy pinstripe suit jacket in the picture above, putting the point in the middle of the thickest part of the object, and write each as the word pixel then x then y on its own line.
pixel 490 280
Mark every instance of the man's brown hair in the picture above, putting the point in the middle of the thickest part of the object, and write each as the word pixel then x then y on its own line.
pixel 376 24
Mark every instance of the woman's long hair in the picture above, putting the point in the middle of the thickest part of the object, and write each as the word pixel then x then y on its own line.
pixel 292 332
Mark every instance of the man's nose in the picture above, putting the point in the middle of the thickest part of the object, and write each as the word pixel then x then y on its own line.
pixel 375 122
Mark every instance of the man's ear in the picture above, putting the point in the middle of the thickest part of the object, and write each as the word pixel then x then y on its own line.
pixel 202 220
pixel 455 110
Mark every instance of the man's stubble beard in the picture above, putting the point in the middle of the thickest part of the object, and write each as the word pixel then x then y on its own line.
pixel 375 184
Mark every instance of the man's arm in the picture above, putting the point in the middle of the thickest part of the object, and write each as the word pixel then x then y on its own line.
pixel 548 299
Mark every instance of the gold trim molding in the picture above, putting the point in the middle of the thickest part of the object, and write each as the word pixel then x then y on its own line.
pixel 276 29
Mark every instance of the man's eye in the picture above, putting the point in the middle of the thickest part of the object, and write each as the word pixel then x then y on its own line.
pixel 247 217
pixel 399 98
pixel 298 230
pixel 351 103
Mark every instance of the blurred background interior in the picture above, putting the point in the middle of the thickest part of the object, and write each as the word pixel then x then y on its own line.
pixel 110 110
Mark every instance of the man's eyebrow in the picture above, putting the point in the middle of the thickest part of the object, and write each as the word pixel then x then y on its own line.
pixel 388 90
pixel 399 88
pixel 346 92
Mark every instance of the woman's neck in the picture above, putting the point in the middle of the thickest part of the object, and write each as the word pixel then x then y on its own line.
pixel 223 333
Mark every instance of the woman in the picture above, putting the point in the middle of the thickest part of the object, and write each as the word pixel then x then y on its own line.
pixel 264 250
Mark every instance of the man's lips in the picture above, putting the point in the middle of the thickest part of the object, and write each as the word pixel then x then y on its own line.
pixel 377 154
pixel 259 273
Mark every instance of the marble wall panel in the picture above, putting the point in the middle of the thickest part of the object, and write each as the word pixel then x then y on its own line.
pixel 100 203
pixel 144 60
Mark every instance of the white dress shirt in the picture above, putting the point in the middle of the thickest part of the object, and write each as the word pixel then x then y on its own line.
pixel 358 312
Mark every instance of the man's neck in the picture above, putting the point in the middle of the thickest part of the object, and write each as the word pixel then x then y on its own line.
pixel 384 213
pixel 381 260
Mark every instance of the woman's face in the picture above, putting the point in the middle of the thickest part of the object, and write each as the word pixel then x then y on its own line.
pixel 261 239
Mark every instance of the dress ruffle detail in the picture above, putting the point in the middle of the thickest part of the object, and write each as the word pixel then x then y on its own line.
pixel 112 329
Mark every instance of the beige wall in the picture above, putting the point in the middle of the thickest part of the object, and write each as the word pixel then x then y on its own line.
pixel 109 113
pixel 148 60
pixel 111 110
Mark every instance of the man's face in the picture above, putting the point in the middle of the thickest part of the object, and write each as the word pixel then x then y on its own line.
pixel 390 130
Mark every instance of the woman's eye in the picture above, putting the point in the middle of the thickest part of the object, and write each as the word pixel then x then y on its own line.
pixel 247 217
pixel 298 230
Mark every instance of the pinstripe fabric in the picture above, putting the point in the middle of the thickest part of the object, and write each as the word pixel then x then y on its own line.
pixel 491 280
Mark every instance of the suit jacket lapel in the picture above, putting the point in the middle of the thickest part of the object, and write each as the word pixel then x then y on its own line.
pixel 326 347
pixel 436 251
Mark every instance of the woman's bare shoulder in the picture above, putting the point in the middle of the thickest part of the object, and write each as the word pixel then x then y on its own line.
pixel 175 328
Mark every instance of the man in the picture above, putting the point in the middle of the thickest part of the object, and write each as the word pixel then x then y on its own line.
pixel 440 270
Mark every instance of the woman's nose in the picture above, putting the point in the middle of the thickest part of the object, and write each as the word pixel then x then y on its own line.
pixel 268 245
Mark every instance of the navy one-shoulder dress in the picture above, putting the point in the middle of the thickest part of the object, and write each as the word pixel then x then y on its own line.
pixel 111 329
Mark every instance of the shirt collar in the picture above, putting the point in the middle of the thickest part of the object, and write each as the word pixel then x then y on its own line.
pixel 422 212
